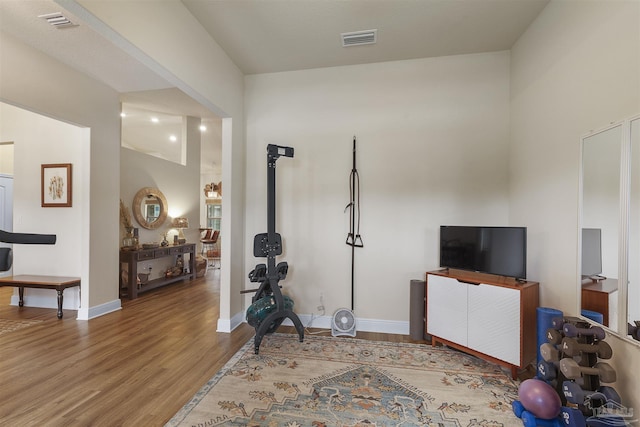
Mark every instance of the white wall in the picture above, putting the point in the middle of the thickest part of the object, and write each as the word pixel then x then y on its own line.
pixel 6 157
pixel 40 140
pixel 211 171
pixel 188 57
pixel 432 149
pixel 57 91
pixel 576 68
pixel 179 184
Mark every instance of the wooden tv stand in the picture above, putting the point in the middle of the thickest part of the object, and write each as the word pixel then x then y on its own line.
pixel 600 296
pixel 488 316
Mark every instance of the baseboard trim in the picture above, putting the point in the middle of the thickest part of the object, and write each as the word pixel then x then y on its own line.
pixel 324 322
pixel 362 324
pixel 228 325
pixel 44 301
pixel 99 310
pixel 46 298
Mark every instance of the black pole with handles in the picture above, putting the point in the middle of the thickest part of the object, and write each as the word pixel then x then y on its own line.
pixel 354 239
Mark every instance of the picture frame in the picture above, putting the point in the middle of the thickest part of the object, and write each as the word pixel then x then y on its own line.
pixel 56 185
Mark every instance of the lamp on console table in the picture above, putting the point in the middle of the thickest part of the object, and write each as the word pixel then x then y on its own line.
pixel 180 224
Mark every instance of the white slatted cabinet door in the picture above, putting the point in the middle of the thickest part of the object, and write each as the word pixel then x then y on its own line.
pixel 447 309
pixel 494 322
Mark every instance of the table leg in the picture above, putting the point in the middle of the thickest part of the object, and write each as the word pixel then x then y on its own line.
pixel 192 264
pixel 60 303
pixel 21 296
pixel 133 280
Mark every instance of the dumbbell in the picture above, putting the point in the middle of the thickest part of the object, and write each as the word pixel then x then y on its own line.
pixel 558 323
pixel 530 420
pixel 571 347
pixel 547 371
pixel 572 417
pixel 610 393
pixel 571 330
pixel 518 408
pixel 572 370
pixel 633 330
pixel 576 394
pixel 554 336
pixel 548 367
pixel 549 352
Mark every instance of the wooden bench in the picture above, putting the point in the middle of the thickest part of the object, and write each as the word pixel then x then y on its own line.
pixel 40 282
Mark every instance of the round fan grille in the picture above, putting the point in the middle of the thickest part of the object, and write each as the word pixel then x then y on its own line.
pixel 344 320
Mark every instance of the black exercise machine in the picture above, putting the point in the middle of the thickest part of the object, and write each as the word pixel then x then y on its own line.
pixel 6 256
pixel 269 307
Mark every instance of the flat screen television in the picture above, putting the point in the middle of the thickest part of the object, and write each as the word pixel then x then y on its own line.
pixel 493 250
pixel 591 252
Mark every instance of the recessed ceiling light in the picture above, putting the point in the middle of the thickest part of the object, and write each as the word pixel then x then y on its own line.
pixel 203 128
pixel 173 138
pixel 123 114
pixel 154 119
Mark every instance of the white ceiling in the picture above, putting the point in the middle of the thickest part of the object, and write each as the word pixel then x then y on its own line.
pixel 263 36
pixel 269 36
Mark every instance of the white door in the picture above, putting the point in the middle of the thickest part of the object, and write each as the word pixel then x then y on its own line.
pixel 6 209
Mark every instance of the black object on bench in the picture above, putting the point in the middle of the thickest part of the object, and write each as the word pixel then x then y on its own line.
pixel 6 257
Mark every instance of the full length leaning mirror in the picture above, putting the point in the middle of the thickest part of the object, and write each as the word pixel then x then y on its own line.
pixel 633 287
pixel 599 271
pixel 150 208
pixel 609 228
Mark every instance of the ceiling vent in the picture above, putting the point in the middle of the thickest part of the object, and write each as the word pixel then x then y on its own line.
pixel 357 38
pixel 57 20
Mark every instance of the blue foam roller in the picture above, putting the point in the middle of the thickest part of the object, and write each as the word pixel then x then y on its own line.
pixel 593 315
pixel 544 317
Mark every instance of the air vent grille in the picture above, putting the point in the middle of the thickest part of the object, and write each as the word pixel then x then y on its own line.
pixel 358 38
pixel 58 20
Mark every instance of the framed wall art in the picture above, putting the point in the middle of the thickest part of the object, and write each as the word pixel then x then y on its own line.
pixel 56 185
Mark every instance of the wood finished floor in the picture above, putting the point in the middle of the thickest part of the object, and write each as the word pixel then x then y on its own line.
pixel 134 367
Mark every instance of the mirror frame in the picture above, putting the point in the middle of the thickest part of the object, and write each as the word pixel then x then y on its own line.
pixel 623 229
pixel 137 211
pixel 627 141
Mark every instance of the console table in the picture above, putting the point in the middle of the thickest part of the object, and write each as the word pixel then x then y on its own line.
pixel 132 258
pixel 58 283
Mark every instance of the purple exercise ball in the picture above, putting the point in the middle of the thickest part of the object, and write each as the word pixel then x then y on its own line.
pixel 539 398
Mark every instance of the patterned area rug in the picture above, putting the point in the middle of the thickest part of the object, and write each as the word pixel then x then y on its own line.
pixel 327 381
pixel 7 325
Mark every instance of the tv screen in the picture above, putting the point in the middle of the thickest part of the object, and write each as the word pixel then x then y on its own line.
pixel 494 250
pixel 591 252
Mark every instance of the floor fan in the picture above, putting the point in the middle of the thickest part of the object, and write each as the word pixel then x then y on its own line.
pixel 344 321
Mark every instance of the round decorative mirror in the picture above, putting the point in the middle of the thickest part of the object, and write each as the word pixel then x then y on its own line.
pixel 150 208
